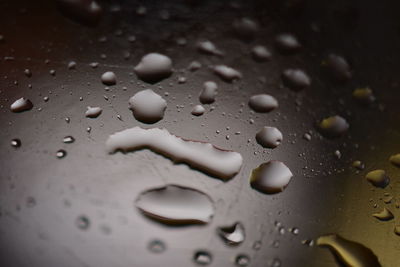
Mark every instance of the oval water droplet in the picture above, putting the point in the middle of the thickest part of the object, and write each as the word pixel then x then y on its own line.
pixel 261 53
pixel 364 95
pixel 348 252
pixel 223 164
pixel 109 78
pixel 232 235
pixel 87 12
pixel 61 153
pixel 154 67
pixel 202 257
pixel 198 110
pixel 269 137
pixel 334 126
pixel 147 106
pixel 246 28
pixel 176 205
pixel 209 92
pixel 263 103
pixel 242 260
pixel 397 230
pixel 378 178
pixel 395 160
pixel 338 67
pixel 156 246
pixel 295 79
pixel 271 177
pixel 226 73
pixel 209 48
pixel 16 142
pixel 20 105
pixel 93 112
pixel 68 139
pixel 287 43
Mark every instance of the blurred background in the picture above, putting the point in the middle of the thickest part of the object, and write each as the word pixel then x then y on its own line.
pixel 72 204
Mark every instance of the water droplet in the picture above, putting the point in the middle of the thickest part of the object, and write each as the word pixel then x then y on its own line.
pixel 21 105
pixel 232 235
pixel 397 229
pixel 378 178
pixel 205 157
pixel 72 65
pixel 16 143
pixel 395 160
pixel 269 137
pixel 364 95
pixel 154 67
pixel 156 246
pixel 202 257
pixel 246 28
pixel 209 92
pixel 271 177
pixel 68 139
pixel 242 260
pixel 52 72
pixel 337 154
pixel 384 215
pixel 334 126
pixel 287 43
pixel 30 202
pixel 208 48
pixel 87 12
pixel 295 79
pixel 348 252
pixel 338 68
pixel 147 106
pixel 46 98
pixel 194 65
pixel 257 245
pixel 263 103
pixel 176 205
pixel 276 263
pixel 358 165
pixel 261 53
pixel 93 112
pixel 227 73
pixel 28 73
pixel 61 153
pixel 307 136
pixel 198 110
pixel 82 222
pixel 109 78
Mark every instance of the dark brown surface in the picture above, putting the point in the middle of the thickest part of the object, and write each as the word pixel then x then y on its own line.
pixel 326 195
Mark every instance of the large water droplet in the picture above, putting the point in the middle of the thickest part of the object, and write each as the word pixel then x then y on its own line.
pixel 269 137
pixel 378 178
pixel 202 257
pixel 271 177
pixel 176 205
pixel 232 235
pixel 349 252
pixel 295 79
pixel 263 103
pixel 227 73
pixel 20 105
pixel 147 106
pixel 384 215
pixel 154 67
pixel 334 126
pixel 93 112
pixel 209 92
pixel 205 157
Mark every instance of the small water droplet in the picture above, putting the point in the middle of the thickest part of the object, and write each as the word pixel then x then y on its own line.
pixel 242 260
pixel 287 43
pixel 202 257
pixel 227 73
pixel 232 235
pixel 295 79
pixel 338 67
pixel 82 222
pixel 378 178
pixel 358 165
pixel 395 160
pixel 397 230
pixel 334 126
pixel 261 53
pixel 384 215
pixel 93 112
pixel 61 153
pixel 269 137
pixel 68 139
pixel 109 78
pixel 156 246
pixel 209 92
pixel 198 110
pixel 364 95
pixel 208 47
pixel 16 142
pixel 257 245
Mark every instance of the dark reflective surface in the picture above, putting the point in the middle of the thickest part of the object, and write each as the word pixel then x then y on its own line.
pixel 44 198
